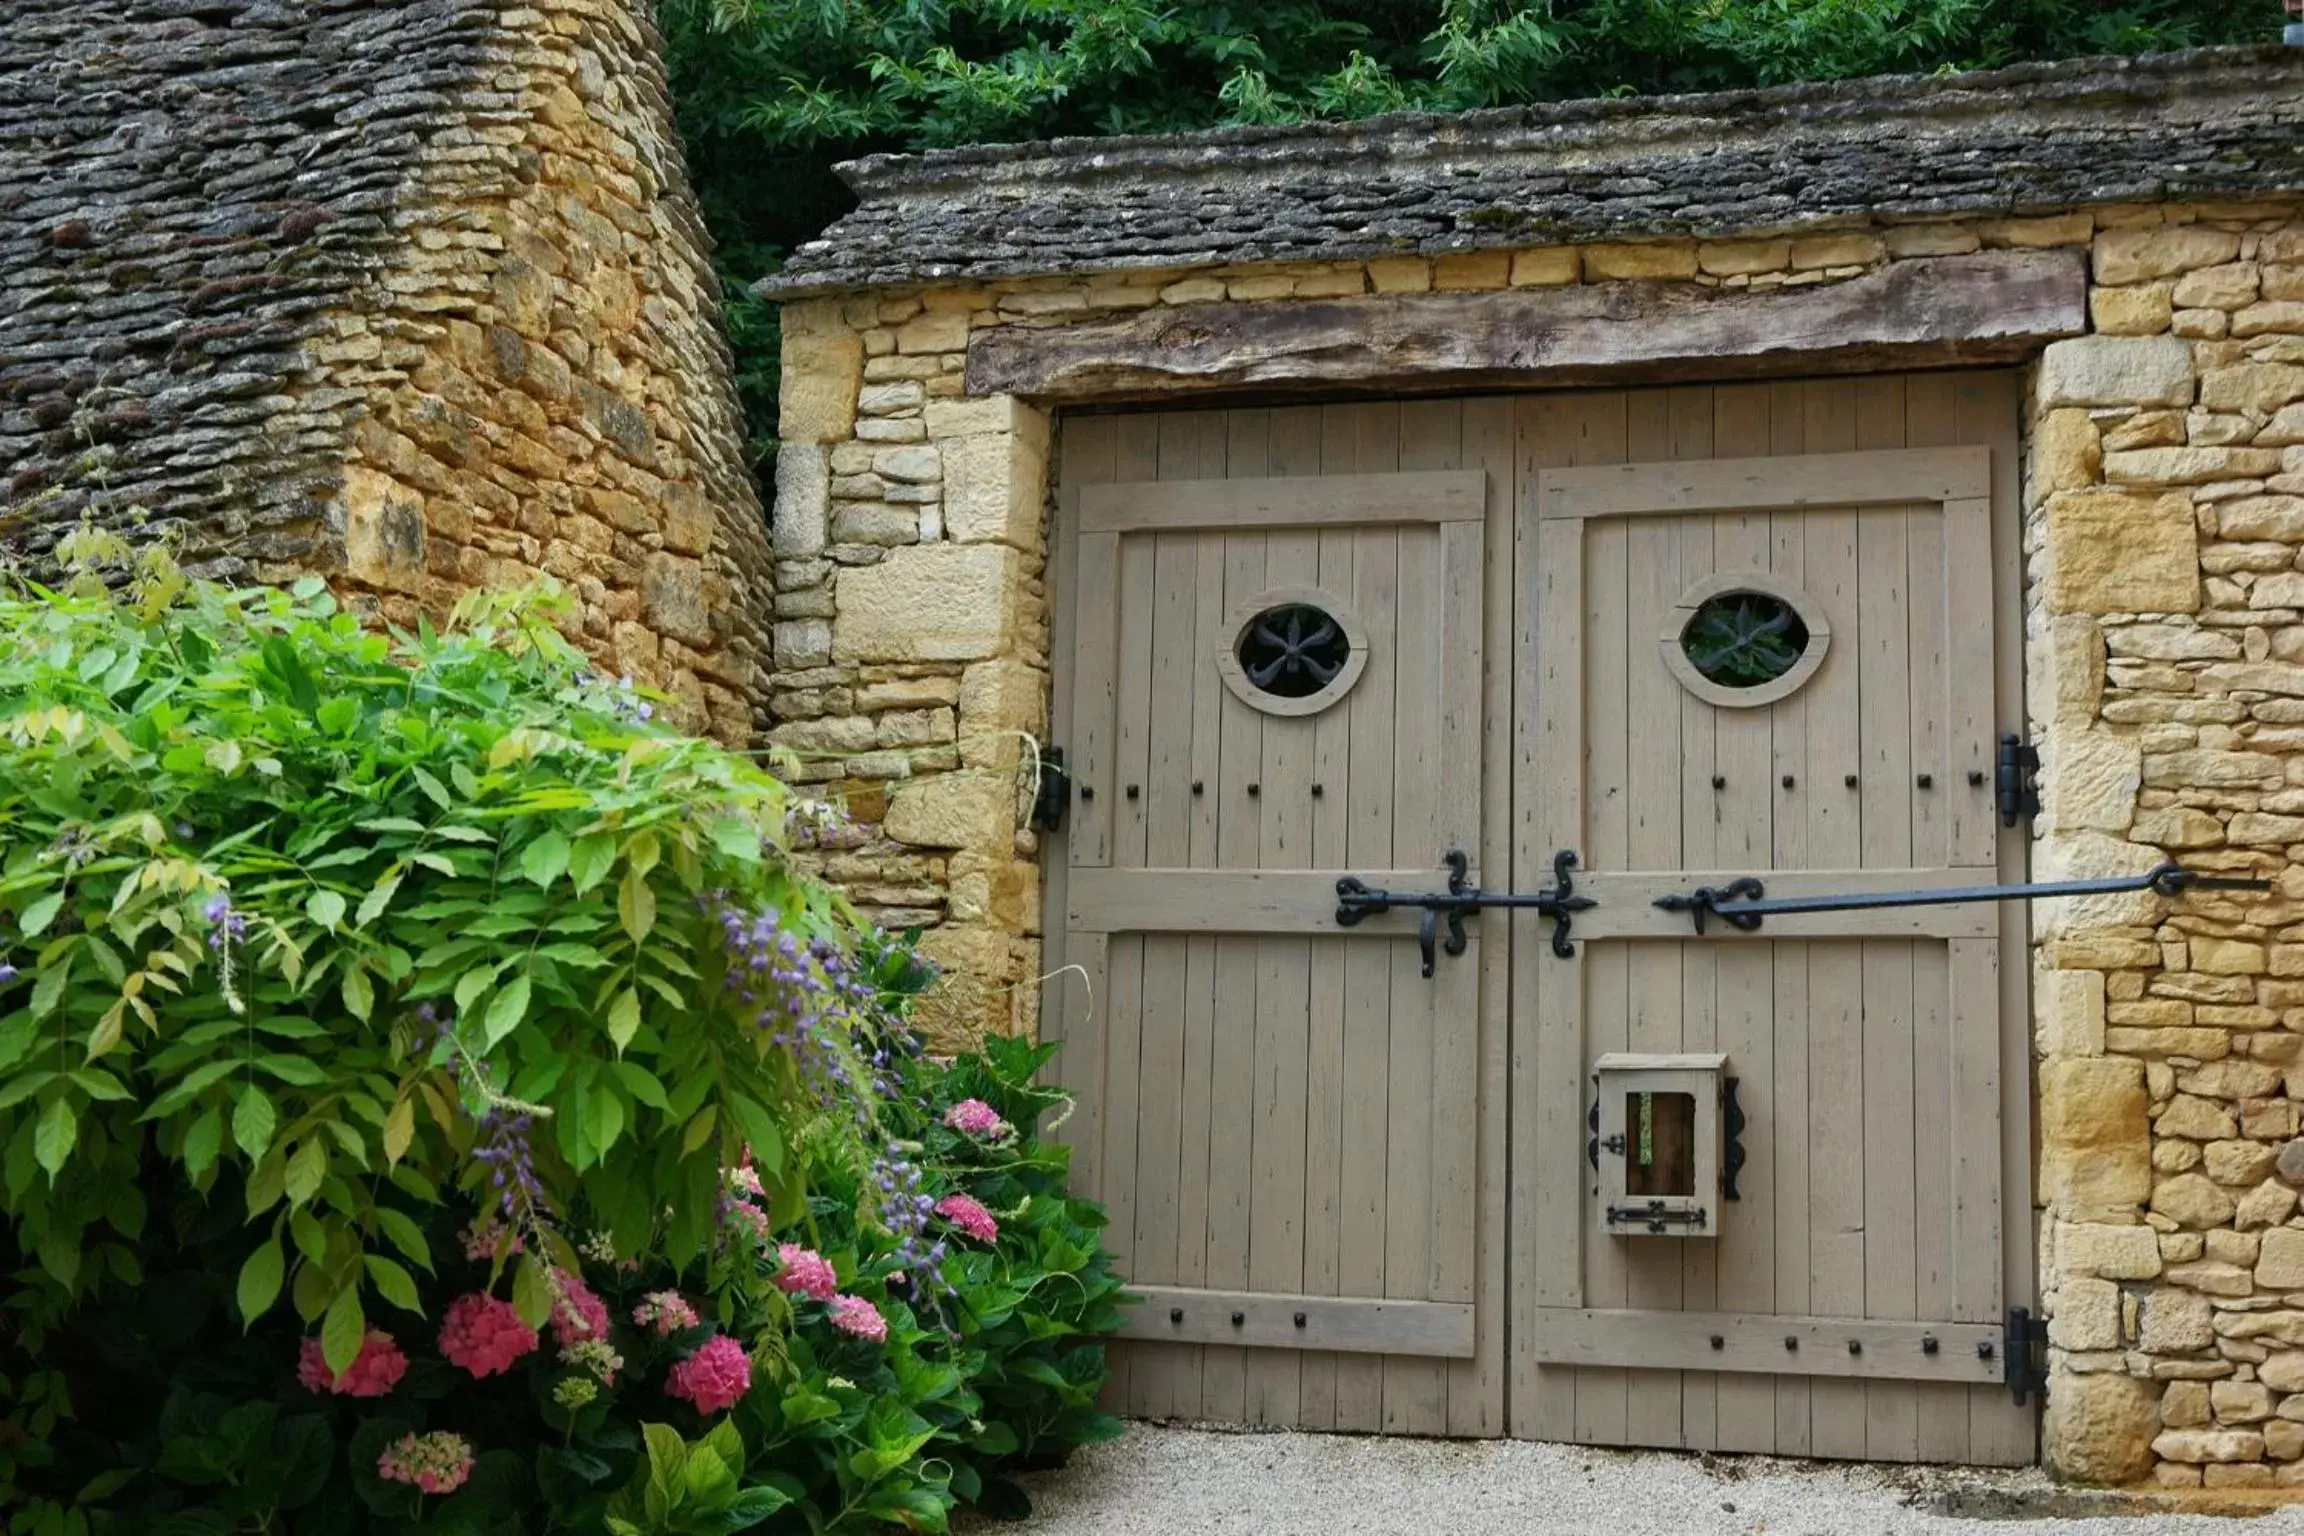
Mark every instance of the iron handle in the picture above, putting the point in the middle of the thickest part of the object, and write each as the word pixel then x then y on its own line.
pixel 1356 901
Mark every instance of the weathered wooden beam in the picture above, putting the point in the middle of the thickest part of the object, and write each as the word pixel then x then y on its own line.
pixel 1989 307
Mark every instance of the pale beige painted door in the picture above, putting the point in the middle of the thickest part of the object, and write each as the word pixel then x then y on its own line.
pixel 1846 1305
pixel 1274 635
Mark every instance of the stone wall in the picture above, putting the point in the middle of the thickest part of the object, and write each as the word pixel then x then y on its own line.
pixel 412 295
pixel 2165 538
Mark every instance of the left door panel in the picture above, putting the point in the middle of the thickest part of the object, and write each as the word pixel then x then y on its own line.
pixel 1274 680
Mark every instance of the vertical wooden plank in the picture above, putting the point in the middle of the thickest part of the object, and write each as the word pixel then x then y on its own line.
pixel 1285 809
pixel 1476 1387
pixel 1326 1127
pixel 1167 1378
pixel 1788 1143
pixel 1231 1137
pixel 1654 583
pixel 1371 444
pixel 1415 1390
pixel 1690 421
pixel 1069 1015
pixel 1890 790
pixel 1744 1278
pixel 1942 820
pixel 1124 988
pixel 1207 449
pixel 1552 810
pixel 1136 457
pixel 1990 407
pixel 1835 969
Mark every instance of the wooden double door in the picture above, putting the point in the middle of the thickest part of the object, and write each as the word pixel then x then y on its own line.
pixel 1303 644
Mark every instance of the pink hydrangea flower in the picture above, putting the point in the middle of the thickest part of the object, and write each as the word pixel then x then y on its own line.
pixel 974 1117
pixel 805 1272
pixel 436 1463
pixel 857 1317
pixel 712 1378
pixel 968 1214
pixel 577 1314
pixel 664 1311
pixel 376 1370
pixel 484 1335
pixel 749 1219
pixel 744 1178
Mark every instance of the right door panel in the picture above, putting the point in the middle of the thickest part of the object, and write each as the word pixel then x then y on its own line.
pixel 1780 665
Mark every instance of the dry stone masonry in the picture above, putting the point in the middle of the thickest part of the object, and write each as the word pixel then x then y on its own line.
pixel 2164 538
pixel 413 295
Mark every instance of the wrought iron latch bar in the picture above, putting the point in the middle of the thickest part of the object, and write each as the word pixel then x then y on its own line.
pixel 1743 903
pixel 1357 901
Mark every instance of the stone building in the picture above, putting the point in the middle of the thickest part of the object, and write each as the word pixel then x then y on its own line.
pixel 412 295
pixel 1701 488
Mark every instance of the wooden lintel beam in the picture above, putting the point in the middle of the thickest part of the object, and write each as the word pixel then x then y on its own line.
pixel 1987 307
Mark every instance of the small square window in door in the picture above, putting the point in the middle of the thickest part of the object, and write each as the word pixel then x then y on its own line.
pixel 1659 1142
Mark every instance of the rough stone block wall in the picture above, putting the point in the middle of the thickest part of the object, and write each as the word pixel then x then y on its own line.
pixel 2165 540
pixel 412 295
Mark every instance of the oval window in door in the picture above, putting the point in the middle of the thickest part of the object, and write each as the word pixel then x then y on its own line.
pixel 1292 651
pixel 1744 639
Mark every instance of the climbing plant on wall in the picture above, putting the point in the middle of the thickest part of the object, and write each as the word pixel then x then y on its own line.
pixel 772 93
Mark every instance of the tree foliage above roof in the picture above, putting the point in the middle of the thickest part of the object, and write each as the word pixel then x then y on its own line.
pixel 771 93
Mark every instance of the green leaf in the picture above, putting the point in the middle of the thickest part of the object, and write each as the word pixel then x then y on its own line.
pixel 41 913
pixel 394 1284
pixel 343 1330
pixel 311 1238
pixel 325 908
pixel 472 983
pixel 359 992
pixel 641 1083
pixel 506 1010
pixel 252 1121
pixel 59 1131
pixel 624 1018
pixel 667 1459
pixel 434 790
pixel 373 904
pixel 545 859
pixel 307 1167
pixel 48 987
pixel 260 1281
pixel 532 1291
pixel 636 903
pixel 760 1131
pixel 203 1142
pixel 607 1119
pixel 591 859
pixel 406 1236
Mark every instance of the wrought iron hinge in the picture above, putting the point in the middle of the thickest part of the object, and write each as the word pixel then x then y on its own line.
pixel 2024 1354
pixel 1357 900
pixel 1053 792
pixel 1744 903
pixel 2019 762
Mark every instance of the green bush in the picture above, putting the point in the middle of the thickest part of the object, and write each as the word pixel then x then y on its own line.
pixel 367 991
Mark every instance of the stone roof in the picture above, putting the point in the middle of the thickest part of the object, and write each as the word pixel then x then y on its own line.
pixel 2222 123
pixel 191 192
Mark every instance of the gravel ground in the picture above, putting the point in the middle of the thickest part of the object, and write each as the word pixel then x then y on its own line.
pixel 1160 1481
